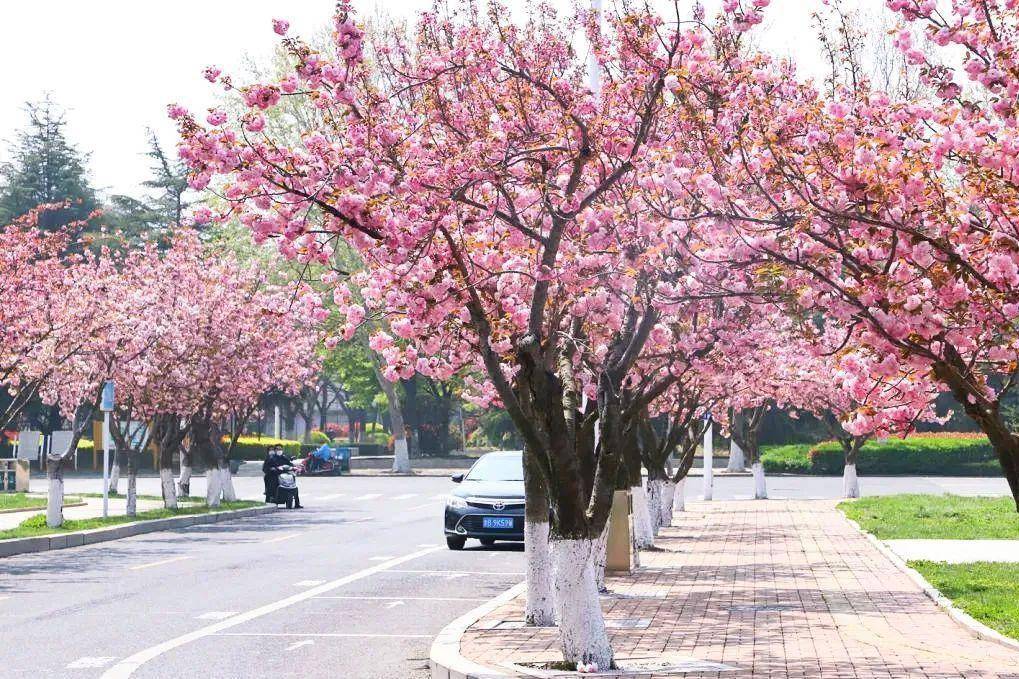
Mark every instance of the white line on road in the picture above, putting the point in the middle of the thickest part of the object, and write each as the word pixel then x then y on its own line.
pixel 404 598
pixel 440 496
pixel 280 538
pixel 156 563
pixel 340 635
pixel 429 544
pixel 126 667
pixel 405 496
pixel 89 662
pixel 308 583
pixel 395 570
pixel 4 597
pixel 297 644
pixel 334 496
pixel 217 615
pixel 369 496
pixel 383 557
pixel 427 505
pixel 394 604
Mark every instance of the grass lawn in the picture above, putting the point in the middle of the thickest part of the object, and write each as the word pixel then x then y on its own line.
pixel 187 498
pixel 949 517
pixel 26 501
pixel 987 591
pixel 36 525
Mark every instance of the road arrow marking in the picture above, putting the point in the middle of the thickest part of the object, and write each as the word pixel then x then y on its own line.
pixel 297 644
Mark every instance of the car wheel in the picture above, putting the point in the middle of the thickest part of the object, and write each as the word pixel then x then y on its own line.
pixel 488 542
pixel 456 542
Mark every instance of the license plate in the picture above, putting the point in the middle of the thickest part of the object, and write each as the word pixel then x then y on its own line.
pixel 502 522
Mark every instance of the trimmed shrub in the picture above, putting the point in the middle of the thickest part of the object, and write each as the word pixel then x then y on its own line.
pixel 944 453
pixel 254 447
pixel 319 437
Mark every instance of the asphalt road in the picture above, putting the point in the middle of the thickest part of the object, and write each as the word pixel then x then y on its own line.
pixel 354 586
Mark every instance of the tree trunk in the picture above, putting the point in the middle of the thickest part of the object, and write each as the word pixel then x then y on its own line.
pixel 539 608
pixel 737 460
pixel 655 496
pixel 582 632
pixel 760 486
pixel 227 481
pixel 850 481
pixel 643 534
pixel 679 499
pixel 667 503
pixel 132 484
pixel 119 460
pixel 166 474
pixel 601 558
pixel 401 454
pixel 184 482
pixel 213 486
pixel 986 414
pixel 55 495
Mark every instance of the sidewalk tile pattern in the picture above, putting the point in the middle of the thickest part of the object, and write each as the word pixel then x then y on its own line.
pixel 773 589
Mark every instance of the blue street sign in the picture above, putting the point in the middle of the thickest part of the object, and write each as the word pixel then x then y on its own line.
pixel 107 405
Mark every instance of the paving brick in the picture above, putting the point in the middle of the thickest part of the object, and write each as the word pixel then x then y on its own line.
pixel 774 589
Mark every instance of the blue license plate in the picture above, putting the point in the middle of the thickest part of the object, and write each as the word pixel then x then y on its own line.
pixel 499 522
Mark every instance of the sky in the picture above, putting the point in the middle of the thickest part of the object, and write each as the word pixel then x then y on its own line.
pixel 114 65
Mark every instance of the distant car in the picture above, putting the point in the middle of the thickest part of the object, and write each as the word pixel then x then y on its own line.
pixel 488 505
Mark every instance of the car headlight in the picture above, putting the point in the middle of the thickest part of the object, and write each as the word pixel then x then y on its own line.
pixel 454 502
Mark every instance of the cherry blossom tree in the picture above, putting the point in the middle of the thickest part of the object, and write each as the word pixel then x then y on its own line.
pixel 501 207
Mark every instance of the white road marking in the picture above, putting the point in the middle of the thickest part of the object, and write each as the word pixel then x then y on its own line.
pixel 297 644
pixel 427 505
pixel 4 597
pixel 126 667
pixel 394 604
pixel 339 635
pixel 308 583
pixel 440 496
pixel 404 598
pixel 89 662
pixel 457 573
pixel 157 563
pixel 331 497
pixel 217 615
pixel 369 496
pixel 383 557
pixel 280 538
pixel 405 496
pixel 429 544
pixel 361 519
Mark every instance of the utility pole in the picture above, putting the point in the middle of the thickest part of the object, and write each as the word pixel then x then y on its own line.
pixel 107 408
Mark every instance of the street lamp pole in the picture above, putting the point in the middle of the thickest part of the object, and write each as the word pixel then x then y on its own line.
pixel 107 408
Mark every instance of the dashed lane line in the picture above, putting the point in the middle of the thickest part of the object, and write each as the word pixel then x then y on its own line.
pixel 280 538
pixel 126 667
pixel 405 496
pixel 143 566
pixel 338 635
pixel 369 496
pixel 404 598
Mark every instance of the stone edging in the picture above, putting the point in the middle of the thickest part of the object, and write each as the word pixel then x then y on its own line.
pixel 39 509
pixel 444 658
pixel 44 543
pixel 974 626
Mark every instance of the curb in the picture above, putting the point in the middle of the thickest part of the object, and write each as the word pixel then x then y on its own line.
pixel 972 625
pixel 39 509
pixel 444 658
pixel 45 543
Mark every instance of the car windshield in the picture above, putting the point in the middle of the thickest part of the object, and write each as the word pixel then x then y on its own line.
pixel 497 468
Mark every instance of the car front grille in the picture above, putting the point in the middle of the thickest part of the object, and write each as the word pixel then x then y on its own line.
pixel 495 503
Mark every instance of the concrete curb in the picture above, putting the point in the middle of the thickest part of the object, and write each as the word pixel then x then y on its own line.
pixel 39 509
pixel 45 543
pixel 974 626
pixel 444 658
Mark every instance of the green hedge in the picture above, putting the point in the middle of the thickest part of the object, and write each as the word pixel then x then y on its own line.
pixel 254 447
pixel 944 455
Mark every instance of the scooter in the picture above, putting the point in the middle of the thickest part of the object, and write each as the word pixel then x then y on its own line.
pixel 286 489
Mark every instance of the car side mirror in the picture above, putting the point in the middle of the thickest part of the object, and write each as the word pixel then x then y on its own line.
pixel 457 478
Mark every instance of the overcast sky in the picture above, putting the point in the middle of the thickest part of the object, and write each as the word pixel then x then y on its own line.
pixel 114 65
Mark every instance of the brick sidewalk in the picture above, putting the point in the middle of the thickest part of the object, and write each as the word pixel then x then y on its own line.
pixel 770 589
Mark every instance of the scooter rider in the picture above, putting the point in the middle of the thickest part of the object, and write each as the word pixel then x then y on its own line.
pixel 271 469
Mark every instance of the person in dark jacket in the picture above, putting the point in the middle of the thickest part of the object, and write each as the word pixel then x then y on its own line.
pixel 271 470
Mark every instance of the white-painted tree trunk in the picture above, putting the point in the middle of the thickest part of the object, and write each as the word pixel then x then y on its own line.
pixel 601 558
pixel 668 498
pixel 169 488
pixel 737 459
pixel 132 494
pixel 654 504
pixel 114 477
pixel 540 606
pixel 55 500
pixel 226 480
pixel 582 631
pixel 679 499
pixel 643 535
pixel 401 456
pixel 184 482
pixel 850 481
pixel 760 488
pixel 213 487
